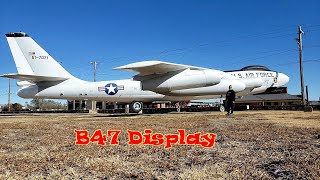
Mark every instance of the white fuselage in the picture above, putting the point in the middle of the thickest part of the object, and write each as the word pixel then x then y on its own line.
pixel 128 90
pixel 43 77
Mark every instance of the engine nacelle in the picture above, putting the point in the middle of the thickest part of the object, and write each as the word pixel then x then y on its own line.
pixel 182 80
pixel 259 90
pixel 253 82
pixel 28 92
pixel 219 89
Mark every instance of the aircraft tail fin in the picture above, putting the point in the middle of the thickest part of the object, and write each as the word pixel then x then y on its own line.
pixel 32 60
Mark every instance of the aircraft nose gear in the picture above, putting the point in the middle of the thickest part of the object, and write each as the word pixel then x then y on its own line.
pixel 137 106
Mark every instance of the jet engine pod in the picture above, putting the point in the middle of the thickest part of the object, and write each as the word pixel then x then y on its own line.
pixel 259 90
pixel 28 91
pixel 218 89
pixel 253 82
pixel 185 79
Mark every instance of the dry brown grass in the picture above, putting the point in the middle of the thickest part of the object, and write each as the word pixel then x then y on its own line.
pixel 251 145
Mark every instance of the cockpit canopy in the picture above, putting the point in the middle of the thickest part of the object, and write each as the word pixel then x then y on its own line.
pixel 252 68
pixel 255 67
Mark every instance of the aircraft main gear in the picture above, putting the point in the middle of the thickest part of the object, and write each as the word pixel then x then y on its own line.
pixel 178 106
pixel 137 106
pixel 222 109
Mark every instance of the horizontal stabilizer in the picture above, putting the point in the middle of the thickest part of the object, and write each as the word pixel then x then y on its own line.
pixel 31 59
pixel 33 78
pixel 155 67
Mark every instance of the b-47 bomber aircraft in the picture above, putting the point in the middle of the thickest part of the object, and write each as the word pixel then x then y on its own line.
pixel 42 77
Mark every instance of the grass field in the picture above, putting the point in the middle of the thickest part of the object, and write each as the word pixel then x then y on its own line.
pixel 250 145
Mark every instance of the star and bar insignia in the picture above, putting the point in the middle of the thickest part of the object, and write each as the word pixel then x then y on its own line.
pixel 111 88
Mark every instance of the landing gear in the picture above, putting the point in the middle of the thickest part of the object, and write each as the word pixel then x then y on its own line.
pixel 137 106
pixel 178 106
pixel 222 109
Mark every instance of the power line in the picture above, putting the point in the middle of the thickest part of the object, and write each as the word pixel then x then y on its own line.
pixel 295 62
pixel 316 60
pixel 218 43
pixel 282 30
pixel 311 46
pixel 6 94
pixel 314 25
pixel 312 30
pixel 261 57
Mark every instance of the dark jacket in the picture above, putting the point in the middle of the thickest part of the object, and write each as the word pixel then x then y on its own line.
pixel 231 96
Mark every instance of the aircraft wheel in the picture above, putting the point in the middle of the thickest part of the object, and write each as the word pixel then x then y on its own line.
pixel 178 107
pixel 222 109
pixel 137 106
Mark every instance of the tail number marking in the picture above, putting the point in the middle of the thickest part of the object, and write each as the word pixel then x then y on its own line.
pixel 40 57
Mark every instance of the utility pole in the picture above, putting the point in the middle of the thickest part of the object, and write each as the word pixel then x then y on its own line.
pixel 307 93
pixel 9 92
pixel 94 103
pixel 94 70
pixel 299 41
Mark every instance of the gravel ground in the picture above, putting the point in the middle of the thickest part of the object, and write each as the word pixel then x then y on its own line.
pixel 249 145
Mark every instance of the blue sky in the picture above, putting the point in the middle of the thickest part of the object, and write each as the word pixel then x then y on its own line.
pixel 221 35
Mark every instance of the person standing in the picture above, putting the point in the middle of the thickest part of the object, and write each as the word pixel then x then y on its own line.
pixel 230 98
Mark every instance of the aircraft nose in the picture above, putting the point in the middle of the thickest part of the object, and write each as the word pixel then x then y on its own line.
pixel 283 79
